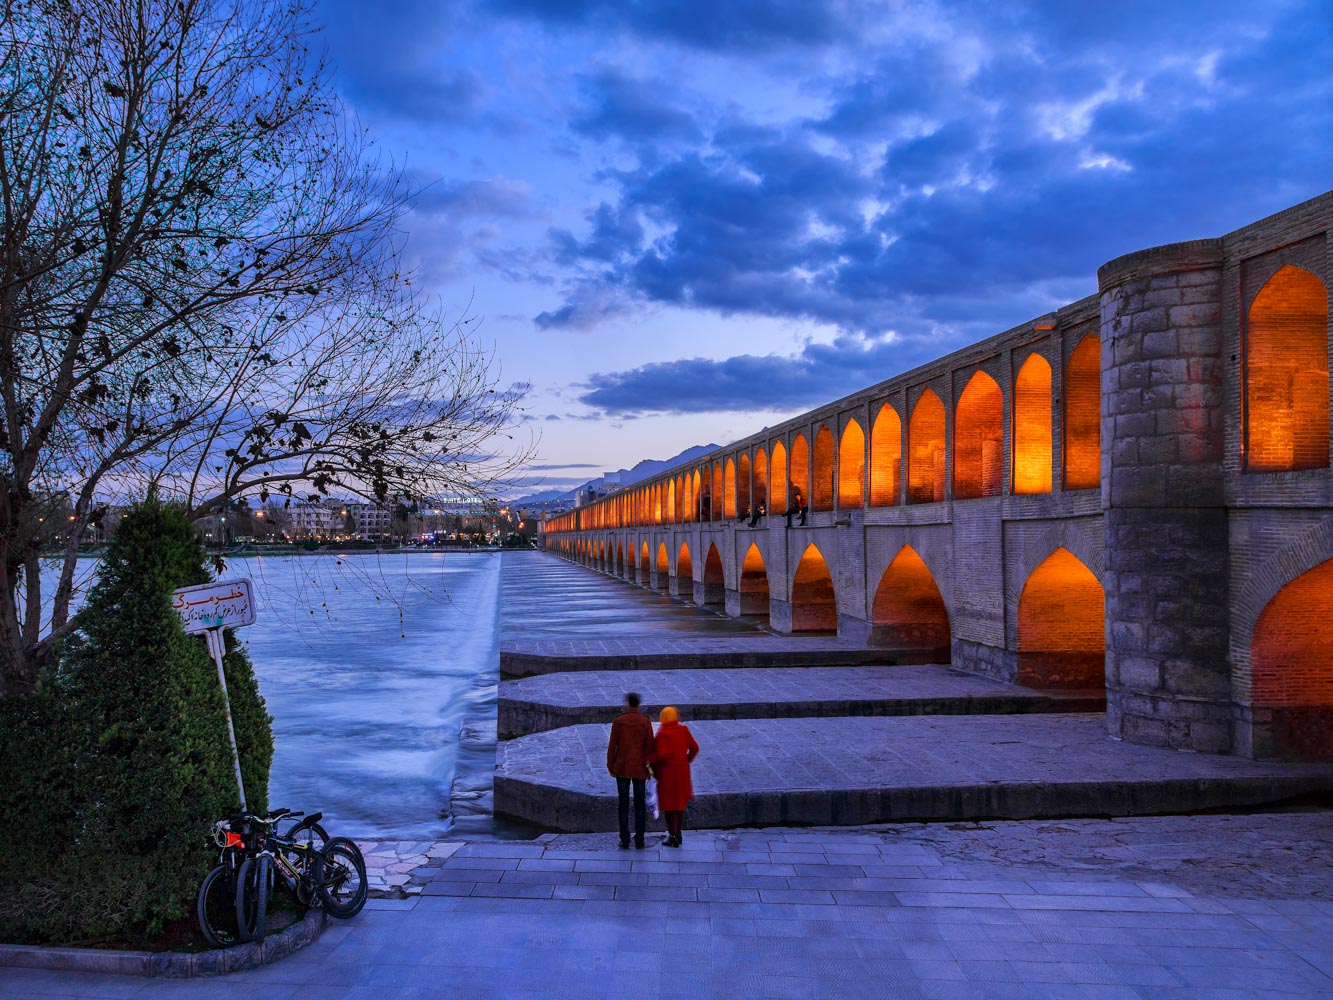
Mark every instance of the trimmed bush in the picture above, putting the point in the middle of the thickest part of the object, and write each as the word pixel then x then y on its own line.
pixel 122 762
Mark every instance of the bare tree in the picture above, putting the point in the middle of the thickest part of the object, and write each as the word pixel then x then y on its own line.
pixel 200 291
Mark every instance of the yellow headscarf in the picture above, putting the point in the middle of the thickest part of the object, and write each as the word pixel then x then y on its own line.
pixel 669 714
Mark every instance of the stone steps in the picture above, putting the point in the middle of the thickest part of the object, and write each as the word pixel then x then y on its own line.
pixel 540 703
pixel 847 771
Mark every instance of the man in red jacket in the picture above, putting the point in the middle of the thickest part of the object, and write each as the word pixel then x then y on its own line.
pixel 627 760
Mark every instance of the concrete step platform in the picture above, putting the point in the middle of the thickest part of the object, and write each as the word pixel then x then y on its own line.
pixel 536 704
pixel 531 658
pixel 840 772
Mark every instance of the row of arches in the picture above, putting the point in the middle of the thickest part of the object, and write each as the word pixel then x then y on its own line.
pixel 1060 614
pixel 859 471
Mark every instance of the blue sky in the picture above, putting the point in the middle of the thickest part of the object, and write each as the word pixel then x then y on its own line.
pixel 683 221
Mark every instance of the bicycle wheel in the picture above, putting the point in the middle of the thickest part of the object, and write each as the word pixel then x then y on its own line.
pixel 216 908
pixel 340 878
pixel 313 837
pixel 252 885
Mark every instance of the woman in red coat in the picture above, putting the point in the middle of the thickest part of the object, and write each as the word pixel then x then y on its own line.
pixel 673 750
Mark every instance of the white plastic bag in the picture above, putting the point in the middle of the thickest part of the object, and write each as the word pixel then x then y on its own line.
pixel 652 798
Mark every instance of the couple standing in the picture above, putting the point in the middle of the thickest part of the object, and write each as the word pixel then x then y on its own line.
pixel 634 754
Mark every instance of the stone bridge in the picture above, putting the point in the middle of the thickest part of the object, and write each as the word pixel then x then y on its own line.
pixel 1133 491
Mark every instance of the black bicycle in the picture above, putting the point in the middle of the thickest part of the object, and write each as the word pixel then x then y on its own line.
pixel 233 899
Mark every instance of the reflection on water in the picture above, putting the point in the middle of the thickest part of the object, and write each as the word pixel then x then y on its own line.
pixel 369 665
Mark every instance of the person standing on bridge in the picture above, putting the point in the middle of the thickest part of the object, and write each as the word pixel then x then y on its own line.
pixel 674 750
pixel 627 760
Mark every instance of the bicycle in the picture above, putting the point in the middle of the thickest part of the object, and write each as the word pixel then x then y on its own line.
pixel 330 873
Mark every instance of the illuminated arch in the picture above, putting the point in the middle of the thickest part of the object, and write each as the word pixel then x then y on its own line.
pixel 798 475
pixel 1291 671
pixel 777 489
pixel 684 565
pixel 814 606
pixel 925 443
pixel 715 494
pixel 671 501
pixel 1286 373
pixel 663 567
pixel 852 466
pixel 1032 426
pixel 1062 626
pixel 754 583
pixel 729 491
pixel 886 457
pixel 743 485
pixel 714 581
pixel 620 559
pixel 645 565
pixel 822 485
pixel 1083 416
pixel 978 439
pixel 908 609
pixel 761 477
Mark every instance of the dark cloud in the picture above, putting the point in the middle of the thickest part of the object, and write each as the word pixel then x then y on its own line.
pixel 638 110
pixel 736 25
pixel 748 382
pixel 495 197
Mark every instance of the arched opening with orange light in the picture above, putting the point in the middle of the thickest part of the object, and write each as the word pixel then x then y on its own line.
pixel 798 474
pixel 1286 374
pixel 754 583
pixel 814 605
pixel 761 477
pixel 1062 626
pixel 1291 670
pixel 743 485
pixel 822 485
pixel 1032 426
pixel 714 581
pixel 620 559
pixel 684 570
pixel 715 494
pixel 886 457
pixel 1083 416
pixel 978 439
pixel 645 566
pixel 663 574
pixel 908 611
pixel 852 467
pixel 729 491
pixel 777 490
pixel 925 443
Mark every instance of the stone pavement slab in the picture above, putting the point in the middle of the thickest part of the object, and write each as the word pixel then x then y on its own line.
pixel 1007 929
pixel 851 771
pixel 536 704
pixel 531 657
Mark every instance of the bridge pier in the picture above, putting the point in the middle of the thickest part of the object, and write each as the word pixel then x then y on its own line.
pixel 1167 621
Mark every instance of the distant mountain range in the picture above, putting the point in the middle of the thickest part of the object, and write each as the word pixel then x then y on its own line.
pixel 646 469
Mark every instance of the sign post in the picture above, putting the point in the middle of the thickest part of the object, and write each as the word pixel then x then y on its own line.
pixel 209 608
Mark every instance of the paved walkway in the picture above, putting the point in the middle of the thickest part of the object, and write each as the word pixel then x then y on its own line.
pixel 1095 909
pixel 867 770
pixel 535 704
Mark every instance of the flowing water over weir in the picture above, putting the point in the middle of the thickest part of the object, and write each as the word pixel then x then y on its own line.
pixel 370 692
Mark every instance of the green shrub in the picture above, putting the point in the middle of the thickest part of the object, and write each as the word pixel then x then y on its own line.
pixel 121 763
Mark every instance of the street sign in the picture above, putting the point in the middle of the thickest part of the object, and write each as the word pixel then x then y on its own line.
pixel 225 604
pixel 209 608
